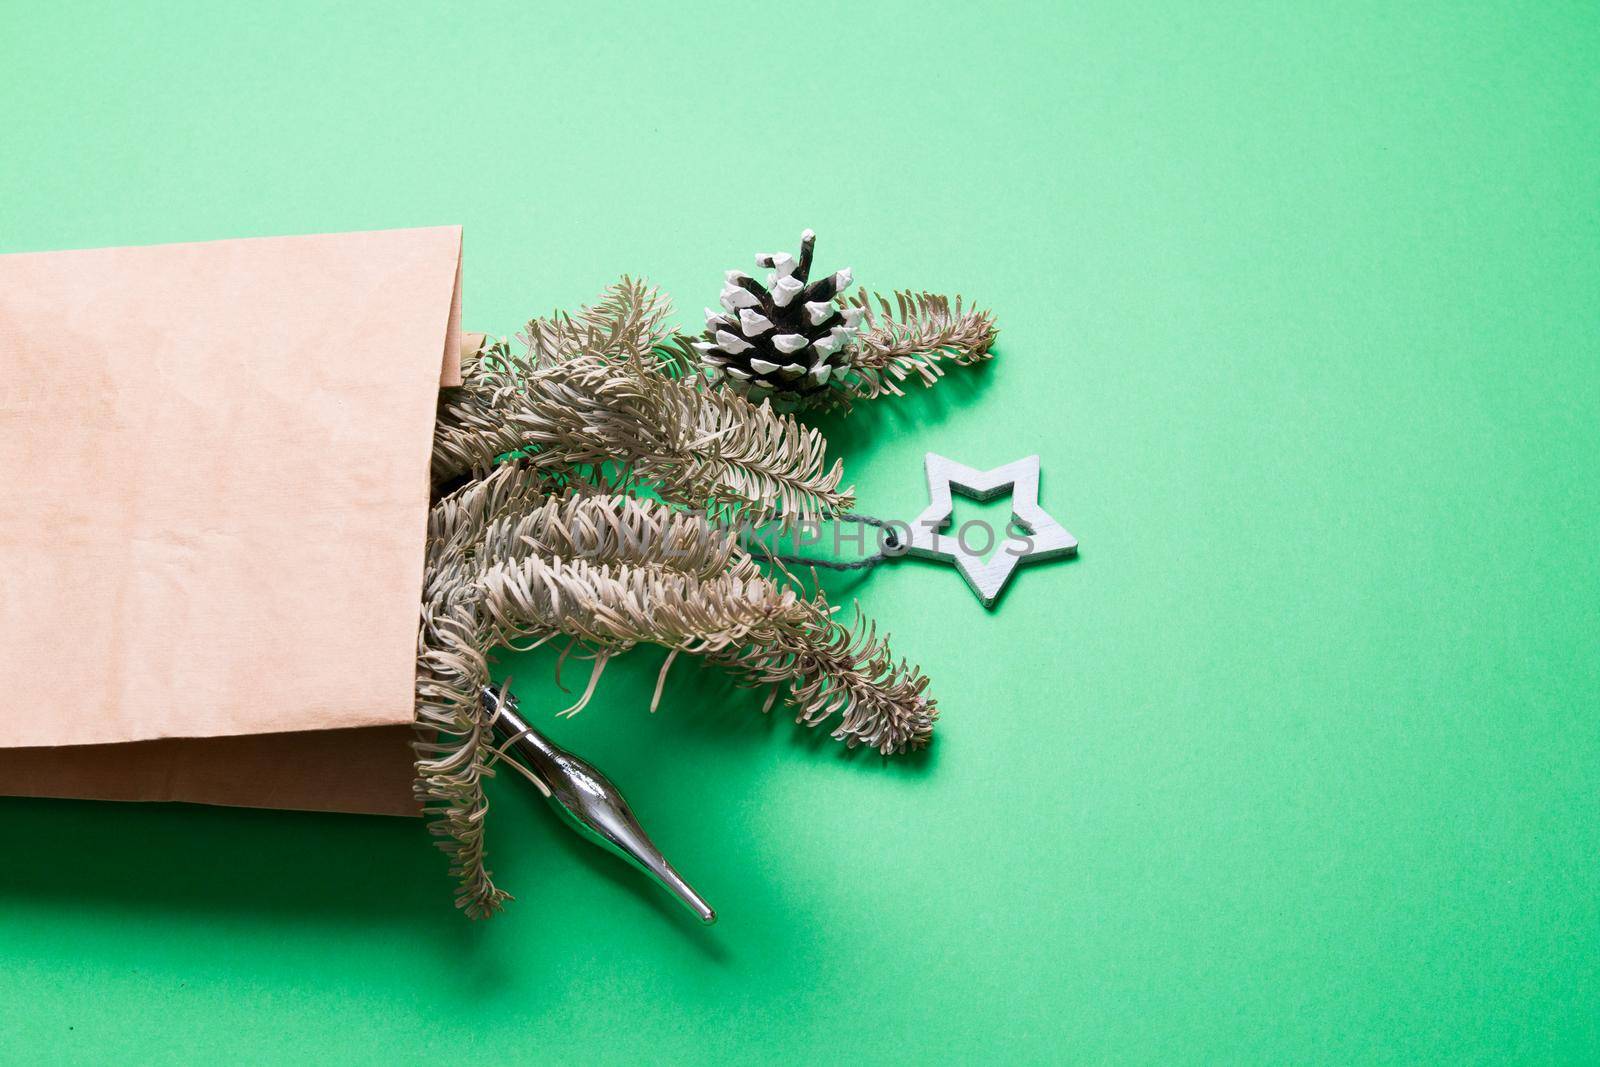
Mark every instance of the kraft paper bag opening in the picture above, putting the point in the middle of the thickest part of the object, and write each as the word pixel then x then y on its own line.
pixel 213 495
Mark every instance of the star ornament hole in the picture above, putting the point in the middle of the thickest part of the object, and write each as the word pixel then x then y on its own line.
pixel 986 568
pixel 983 527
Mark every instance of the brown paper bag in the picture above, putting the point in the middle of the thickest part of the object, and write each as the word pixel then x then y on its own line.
pixel 213 495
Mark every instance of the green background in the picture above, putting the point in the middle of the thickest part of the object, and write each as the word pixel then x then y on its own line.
pixel 1299 762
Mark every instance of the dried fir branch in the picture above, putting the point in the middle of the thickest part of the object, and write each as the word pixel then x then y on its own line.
pixel 678 357
pixel 617 572
pixel 760 628
pixel 734 458
pixel 831 669
pixel 627 323
pixel 603 530
pixel 534 534
pixel 629 403
pixel 452 743
pixel 917 334
pixel 507 563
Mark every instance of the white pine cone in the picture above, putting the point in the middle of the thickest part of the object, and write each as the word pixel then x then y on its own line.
pixel 789 339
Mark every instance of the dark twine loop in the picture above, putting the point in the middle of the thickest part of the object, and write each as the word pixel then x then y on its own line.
pixel 892 547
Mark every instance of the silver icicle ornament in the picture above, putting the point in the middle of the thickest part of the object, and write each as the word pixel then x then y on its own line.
pixel 789 340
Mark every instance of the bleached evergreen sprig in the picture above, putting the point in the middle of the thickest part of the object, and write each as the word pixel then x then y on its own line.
pixel 602 390
pixel 509 563
pixel 916 335
pixel 582 485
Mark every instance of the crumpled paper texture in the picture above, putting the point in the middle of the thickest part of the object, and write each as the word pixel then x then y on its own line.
pixel 213 495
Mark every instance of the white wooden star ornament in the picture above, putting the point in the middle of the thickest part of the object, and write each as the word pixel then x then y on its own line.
pixel 1042 537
